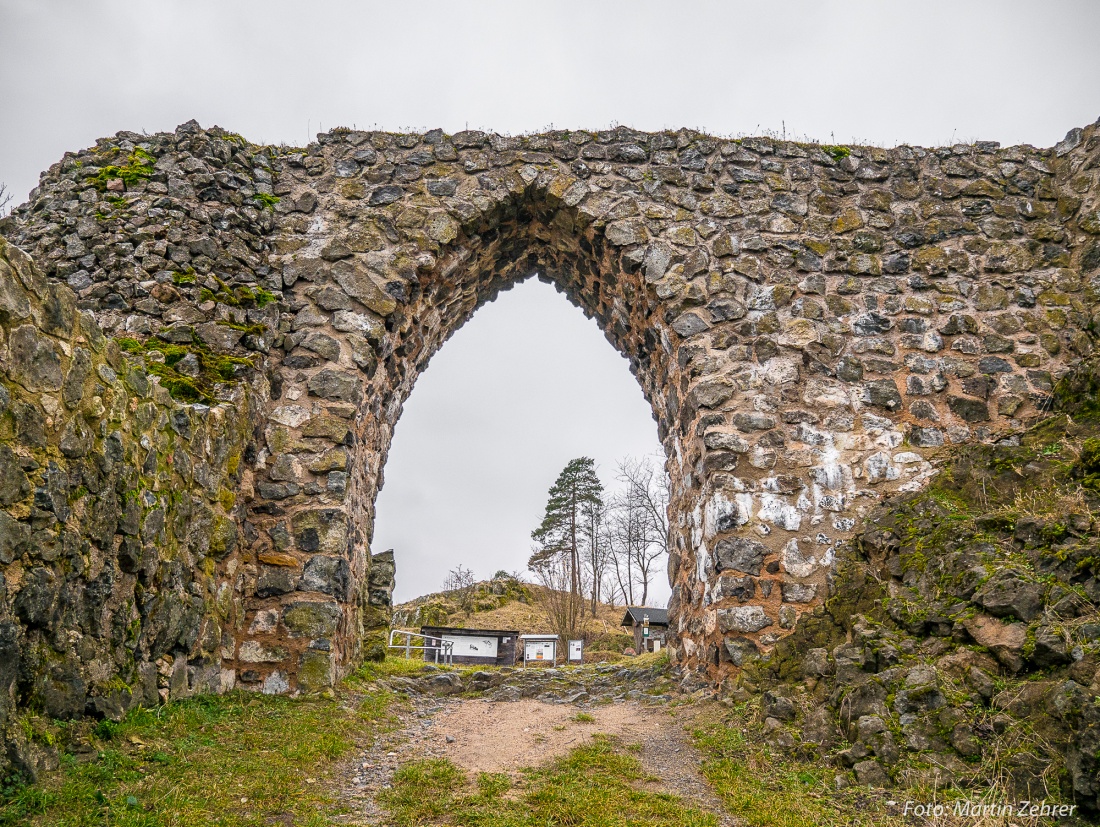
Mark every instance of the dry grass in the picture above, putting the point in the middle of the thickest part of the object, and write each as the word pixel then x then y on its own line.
pixel 602 631
pixel 529 617
pixel 1048 503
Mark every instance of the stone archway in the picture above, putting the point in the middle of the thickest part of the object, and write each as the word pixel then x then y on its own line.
pixel 371 319
pixel 806 322
pixel 810 325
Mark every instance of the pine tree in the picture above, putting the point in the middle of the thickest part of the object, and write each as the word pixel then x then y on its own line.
pixel 573 498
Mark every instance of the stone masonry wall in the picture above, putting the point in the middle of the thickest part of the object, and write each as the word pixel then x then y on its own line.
pixel 119 528
pixel 810 324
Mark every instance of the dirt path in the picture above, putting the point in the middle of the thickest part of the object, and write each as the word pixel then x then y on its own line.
pixel 484 735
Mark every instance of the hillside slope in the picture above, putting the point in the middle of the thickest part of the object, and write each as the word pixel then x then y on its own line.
pixel 508 603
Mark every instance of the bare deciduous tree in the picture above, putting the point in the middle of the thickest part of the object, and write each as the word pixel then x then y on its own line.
pixel 561 604
pixel 458 578
pixel 638 528
pixel 5 199
pixel 597 553
pixel 460 581
pixel 623 537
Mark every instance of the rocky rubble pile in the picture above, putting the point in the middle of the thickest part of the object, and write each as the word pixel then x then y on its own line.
pixel 164 232
pixel 600 683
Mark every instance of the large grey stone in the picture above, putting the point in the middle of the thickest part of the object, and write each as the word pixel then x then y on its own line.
pixel 882 393
pixel 80 368
pixel 14 485
pixel 329 575
pixel 360 284
pixel 753 421
pixel 743 619
pixel 739 650
pixel 798 592
pixel 312 619
pixel 336 385
pixel 14 300
pixel 349 322
pixel 624 233
pixel 276 580
pixel 1007 594
pixel 323 345
pixel 34 360
pixel 14 537
pixel 690 323
pixel 741 554
pixel 218 337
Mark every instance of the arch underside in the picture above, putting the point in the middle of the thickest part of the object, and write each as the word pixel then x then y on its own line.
pixel 811 326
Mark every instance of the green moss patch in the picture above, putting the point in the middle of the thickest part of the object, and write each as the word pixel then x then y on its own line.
pixel 266 200
pixel 1087 468
pixel 837 153
pixel 214 368
pixel 239 296
pixel 138 167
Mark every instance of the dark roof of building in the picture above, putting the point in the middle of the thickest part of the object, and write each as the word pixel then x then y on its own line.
pixel 635 614
pixel 454 630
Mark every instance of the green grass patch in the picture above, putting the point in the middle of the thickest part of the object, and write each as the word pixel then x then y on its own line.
pixel 236 760
pixel 765 790
pixel 393 666
pixel 594 786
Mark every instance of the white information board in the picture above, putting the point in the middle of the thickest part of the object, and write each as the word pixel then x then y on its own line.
pixel 539 650
pixel 473 647
pixel 576 651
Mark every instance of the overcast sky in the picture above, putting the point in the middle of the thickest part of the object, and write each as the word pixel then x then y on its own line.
pixel 511 397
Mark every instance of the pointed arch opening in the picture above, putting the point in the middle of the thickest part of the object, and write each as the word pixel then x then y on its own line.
pixel 526 386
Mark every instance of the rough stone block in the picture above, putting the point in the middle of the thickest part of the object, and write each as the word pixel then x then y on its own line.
pixel 312 619
pixel 743 619
pixel 741 554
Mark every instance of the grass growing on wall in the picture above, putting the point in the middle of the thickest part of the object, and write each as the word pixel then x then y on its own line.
pixel 236 760
pixel 765 790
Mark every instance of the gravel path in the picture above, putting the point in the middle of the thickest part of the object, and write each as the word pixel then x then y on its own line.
pixel 489 734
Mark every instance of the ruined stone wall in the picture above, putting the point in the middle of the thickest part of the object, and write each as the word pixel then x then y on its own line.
pixel 810 324
pixel 119 525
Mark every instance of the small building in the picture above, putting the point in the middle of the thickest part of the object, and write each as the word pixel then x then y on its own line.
pixel 474 647
pixel 650 627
